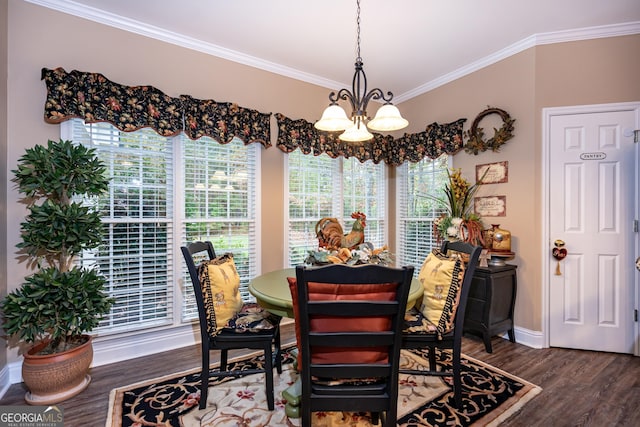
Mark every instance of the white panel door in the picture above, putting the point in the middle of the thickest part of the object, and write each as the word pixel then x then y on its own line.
pixel 591 207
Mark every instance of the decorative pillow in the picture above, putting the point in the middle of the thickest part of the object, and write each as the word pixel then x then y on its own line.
pixel 221 291
pixel 331 291
pixel 441 277
pixel 252 318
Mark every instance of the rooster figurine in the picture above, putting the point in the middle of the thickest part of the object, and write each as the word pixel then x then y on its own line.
pixel 331 236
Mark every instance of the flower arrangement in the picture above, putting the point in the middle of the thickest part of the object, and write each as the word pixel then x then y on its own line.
pixel 365 253
pixel 459 222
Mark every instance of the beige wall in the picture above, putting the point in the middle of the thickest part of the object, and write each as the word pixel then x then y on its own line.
pixel 510 85
pixel 569 73
pixel 574 73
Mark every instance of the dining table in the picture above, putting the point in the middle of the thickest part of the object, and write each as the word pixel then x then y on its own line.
pixel 271 291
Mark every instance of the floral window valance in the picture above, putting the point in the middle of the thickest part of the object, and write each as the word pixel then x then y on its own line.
pixel 436 140
pixel 94 98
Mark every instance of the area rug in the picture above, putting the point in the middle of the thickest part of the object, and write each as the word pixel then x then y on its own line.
pixel 490 396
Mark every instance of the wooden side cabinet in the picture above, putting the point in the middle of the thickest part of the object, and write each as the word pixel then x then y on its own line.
pixel 490 305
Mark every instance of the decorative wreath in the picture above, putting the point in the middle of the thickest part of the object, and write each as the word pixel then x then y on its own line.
pixel 476 143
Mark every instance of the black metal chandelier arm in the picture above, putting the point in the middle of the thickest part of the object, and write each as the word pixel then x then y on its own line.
pixel 377 93
pixel 359 105
pixel 345 95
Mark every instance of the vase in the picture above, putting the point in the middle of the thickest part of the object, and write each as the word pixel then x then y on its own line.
pixel 487 235
pixel 53 378
pixel 501 239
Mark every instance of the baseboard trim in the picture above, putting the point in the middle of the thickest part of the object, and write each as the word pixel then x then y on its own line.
pixel 108 350
pixel 533 339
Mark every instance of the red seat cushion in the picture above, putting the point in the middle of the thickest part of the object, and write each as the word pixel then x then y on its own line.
pixel 331 291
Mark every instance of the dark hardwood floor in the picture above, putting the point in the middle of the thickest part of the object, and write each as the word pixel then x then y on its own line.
pixel 580 388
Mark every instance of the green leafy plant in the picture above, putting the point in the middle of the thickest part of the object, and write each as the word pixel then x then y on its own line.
pixel 61 300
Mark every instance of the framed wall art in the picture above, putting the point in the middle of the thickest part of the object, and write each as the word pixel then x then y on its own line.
pixel 490 206
pixel 493 173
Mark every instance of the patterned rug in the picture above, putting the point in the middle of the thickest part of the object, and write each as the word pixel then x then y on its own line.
pixel 490 396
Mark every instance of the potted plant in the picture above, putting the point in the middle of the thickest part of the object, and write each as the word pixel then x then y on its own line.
pixel 57 305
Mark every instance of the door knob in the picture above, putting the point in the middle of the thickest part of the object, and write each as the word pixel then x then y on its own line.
pixel 638 263
pixel 559 253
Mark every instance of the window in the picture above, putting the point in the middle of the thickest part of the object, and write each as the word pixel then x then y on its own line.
pixel 163 193
pixel 416 211
pixel 319 186
pixel 221 203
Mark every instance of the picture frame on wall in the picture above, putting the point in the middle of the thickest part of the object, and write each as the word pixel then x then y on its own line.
pixel 493 173
pixel 490 206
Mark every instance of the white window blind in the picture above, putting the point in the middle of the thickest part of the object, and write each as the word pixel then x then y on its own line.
pixel 319 186
pixel 163 193
pixel 314 187
pixel 136 253
pixel 365 190
pixel 221 205
pixel 416 211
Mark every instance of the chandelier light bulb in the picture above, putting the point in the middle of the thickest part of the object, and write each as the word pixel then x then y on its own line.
pixel 333 119
pixel 356 133
pixel 388 119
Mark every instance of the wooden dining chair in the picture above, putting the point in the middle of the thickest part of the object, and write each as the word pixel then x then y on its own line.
pixel 438 322
pixel 226 323
pixel 350 322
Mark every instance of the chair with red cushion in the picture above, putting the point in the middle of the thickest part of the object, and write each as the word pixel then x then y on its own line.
pixel 350 320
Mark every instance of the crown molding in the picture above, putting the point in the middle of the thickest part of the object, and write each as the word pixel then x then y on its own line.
pixel 616 30
pixel 117 21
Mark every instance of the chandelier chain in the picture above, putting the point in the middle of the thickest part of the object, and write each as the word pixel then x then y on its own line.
pixel 358 58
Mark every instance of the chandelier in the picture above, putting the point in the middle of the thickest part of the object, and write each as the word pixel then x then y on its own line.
pixel 334 118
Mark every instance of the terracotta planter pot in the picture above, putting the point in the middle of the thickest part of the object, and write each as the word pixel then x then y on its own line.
pixel 56 377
